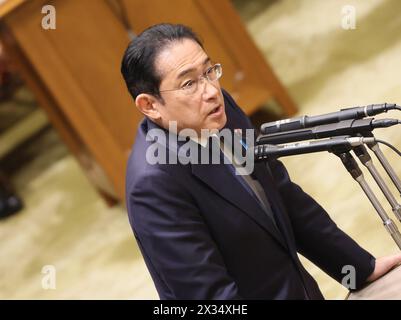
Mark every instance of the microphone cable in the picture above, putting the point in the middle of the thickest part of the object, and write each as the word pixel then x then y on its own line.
pixel 389 145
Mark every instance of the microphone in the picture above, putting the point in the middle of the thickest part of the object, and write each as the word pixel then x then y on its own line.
pixel 311 121
pixel 342 128
pixel 265 151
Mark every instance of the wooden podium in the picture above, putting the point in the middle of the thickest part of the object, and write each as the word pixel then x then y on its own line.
pixel 387 287
pixel 74 70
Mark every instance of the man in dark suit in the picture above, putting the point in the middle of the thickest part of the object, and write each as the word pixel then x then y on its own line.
pixel 205 232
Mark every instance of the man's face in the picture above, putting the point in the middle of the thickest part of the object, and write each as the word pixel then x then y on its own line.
pixel 178 63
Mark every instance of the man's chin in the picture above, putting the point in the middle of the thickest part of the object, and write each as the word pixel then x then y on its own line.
pixel 223 122
pixel 217 125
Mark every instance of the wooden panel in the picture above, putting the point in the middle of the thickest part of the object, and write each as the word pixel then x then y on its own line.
pixel 6 6
pixel 79 63
pixel 40 92
pixel 259 75
pixel 68 134
pixel 387 287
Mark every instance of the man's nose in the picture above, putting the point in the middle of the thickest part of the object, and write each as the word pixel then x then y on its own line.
pixel 210 90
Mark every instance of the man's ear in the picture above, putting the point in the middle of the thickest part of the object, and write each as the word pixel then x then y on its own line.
pixel 146 103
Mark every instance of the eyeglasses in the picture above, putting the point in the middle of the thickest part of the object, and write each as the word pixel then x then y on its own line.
pixel 190 86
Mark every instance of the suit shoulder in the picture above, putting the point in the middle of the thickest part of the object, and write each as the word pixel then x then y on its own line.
pixel 141 172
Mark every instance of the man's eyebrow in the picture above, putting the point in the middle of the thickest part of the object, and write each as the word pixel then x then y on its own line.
pixel 184 72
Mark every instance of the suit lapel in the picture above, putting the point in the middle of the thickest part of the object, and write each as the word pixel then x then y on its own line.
pixel 261 173
pixel 221 180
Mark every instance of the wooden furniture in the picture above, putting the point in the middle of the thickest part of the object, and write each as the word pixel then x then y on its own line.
pixel 387 287
pixel 74 70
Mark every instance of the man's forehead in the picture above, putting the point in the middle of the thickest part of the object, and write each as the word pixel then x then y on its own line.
pixel 180 56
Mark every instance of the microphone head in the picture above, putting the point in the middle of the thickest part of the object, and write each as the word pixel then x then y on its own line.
pixel 283 125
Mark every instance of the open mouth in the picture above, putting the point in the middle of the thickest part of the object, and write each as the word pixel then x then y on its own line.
pixel 215 110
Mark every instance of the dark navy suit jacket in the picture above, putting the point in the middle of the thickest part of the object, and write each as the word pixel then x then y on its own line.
pixel 203 236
